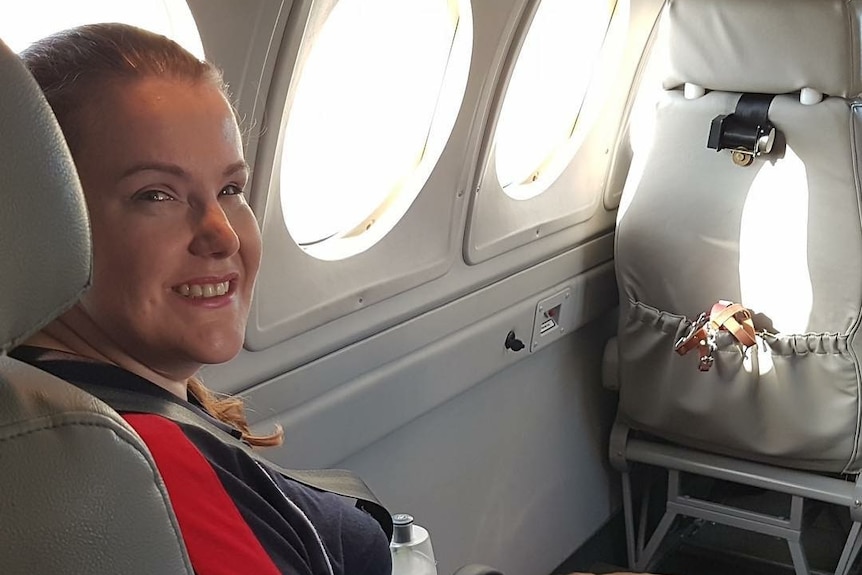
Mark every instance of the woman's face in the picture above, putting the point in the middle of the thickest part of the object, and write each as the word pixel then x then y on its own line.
pixel 176 247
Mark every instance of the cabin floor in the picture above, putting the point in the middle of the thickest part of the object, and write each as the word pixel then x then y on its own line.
pixel 696 547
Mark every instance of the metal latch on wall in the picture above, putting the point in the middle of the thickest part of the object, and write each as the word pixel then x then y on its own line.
pixel 552 316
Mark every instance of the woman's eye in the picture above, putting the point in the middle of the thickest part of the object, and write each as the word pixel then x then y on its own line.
pixel 154 196
pixel 231 190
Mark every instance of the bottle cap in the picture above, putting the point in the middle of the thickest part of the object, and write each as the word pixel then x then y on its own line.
pixel 402 531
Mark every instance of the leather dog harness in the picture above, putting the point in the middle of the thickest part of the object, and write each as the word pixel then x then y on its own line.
pixel 724 315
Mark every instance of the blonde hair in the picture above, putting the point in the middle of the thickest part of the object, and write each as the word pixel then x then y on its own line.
pixel 231 410
pixel 69 65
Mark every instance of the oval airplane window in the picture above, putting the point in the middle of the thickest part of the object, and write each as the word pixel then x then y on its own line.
pixel 539 126
pixel 371 113
pixel 35 19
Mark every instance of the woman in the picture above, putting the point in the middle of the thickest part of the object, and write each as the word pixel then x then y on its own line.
pixel 176 250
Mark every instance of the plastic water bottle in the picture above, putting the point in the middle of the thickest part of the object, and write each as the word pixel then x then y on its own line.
pixel 411 548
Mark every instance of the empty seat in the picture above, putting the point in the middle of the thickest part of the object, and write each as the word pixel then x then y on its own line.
pixel 745 192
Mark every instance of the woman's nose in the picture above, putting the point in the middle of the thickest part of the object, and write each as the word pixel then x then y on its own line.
pixel 214 235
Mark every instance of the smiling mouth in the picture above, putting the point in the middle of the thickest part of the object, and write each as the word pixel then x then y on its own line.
pixel 203 291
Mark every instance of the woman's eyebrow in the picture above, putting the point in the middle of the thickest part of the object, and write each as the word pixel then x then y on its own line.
pixel 176 170
pixel 154 166
pixel 240 166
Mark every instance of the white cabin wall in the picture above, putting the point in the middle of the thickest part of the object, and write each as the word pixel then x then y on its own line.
pixel 502 455
pixel 512 472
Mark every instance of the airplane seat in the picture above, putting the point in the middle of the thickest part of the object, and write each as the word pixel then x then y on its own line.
pixel 80 491
pixel 739 263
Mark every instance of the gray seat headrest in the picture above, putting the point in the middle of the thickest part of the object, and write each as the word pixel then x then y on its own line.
pixel 768 46
pixel 45 256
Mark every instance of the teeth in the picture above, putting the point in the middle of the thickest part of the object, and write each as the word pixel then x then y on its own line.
pixel 203 290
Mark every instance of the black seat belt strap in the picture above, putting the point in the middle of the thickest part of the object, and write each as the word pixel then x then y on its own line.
pixel 747 130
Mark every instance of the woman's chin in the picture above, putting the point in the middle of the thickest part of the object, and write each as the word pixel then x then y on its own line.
pixel 216 352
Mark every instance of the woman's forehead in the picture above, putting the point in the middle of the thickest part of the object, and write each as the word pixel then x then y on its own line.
pixel 150 97
pixel 160 117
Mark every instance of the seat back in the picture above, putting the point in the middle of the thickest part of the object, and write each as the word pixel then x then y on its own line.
pixel 782 236
pixel 80 492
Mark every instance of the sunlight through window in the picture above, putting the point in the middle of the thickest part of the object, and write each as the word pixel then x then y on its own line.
pixel 778 195
pixel 642 120
pixel 755 362
pixel 372 111
pixel 36 19
pixel 546 91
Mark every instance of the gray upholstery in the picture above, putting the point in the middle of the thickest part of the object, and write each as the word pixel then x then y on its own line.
pixel 79 492
pixel 45 260
pixel 782 236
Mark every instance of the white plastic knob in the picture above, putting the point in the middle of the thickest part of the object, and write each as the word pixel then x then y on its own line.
pixel 810 96
pixel 693 91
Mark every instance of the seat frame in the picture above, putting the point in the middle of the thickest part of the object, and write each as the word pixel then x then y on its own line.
pixel 676 460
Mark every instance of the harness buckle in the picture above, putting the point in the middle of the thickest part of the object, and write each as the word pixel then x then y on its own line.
pixel 707 349
pixel 695 327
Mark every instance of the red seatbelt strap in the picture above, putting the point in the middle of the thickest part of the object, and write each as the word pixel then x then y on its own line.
pixel 217 537
pixel 724 315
